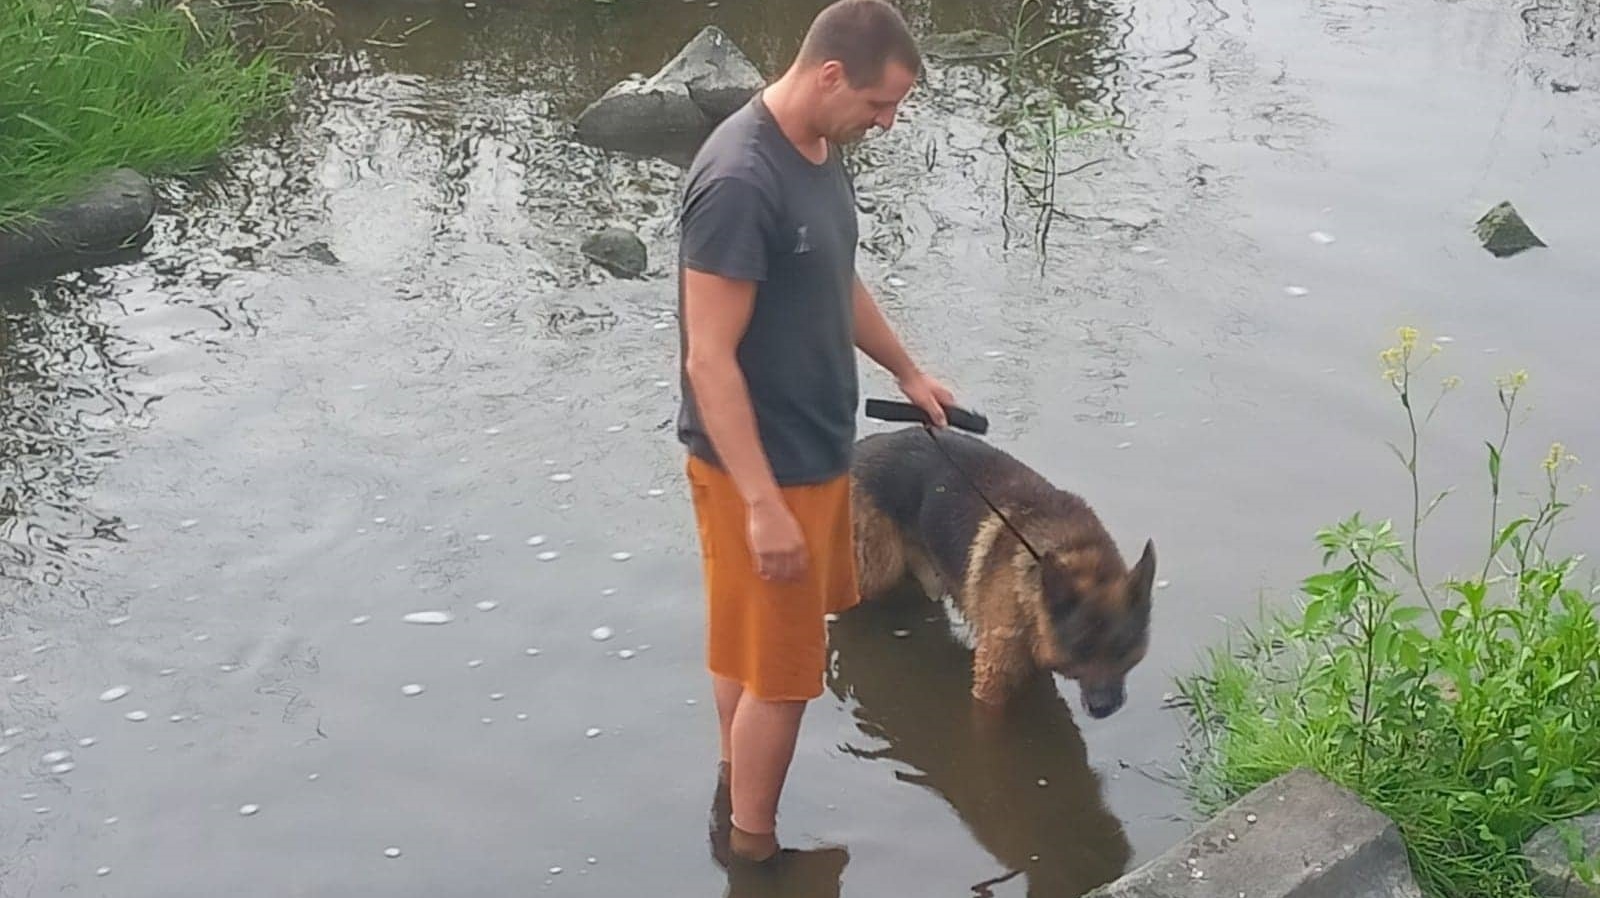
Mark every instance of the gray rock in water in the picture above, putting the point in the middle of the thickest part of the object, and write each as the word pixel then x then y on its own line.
pixel 719 77
pixel 633 113
pixel 318 251
pixel 617 250
pixel 103 222
pixel 1548 866
pixel 696 89
pixel 964 45
pixel 1504 233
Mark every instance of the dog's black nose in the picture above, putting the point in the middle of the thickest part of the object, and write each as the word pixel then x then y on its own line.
pixel 1100 712
pixel 1103 701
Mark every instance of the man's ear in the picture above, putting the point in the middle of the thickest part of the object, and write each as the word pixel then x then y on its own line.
pixel 830 75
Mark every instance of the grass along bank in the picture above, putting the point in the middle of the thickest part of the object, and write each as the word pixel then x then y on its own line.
pixel 1468 710
pixel 82 90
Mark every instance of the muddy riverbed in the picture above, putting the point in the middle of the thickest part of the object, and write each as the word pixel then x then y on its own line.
pixel 366 372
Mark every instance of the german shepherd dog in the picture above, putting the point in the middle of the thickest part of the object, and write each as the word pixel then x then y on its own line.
pixel 1076 609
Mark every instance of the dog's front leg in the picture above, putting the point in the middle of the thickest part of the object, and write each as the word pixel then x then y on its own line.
pixel 996 672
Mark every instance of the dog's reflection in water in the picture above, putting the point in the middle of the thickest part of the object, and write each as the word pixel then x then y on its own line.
pixel 1018 778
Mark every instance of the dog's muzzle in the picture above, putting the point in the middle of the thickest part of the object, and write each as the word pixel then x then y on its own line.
pixel 1103 700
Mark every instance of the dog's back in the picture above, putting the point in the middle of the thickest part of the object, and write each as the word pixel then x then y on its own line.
pixel 905 478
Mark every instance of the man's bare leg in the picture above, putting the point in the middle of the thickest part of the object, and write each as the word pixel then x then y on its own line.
pixel 763 740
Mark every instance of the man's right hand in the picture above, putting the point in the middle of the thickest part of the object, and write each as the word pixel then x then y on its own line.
pixel 776 541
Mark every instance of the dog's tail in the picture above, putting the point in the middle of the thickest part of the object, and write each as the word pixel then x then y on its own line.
pixel 880 547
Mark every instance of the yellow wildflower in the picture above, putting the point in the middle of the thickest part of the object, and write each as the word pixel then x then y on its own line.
pixel 1408 338
pixel 1553 460
pixel 1516 380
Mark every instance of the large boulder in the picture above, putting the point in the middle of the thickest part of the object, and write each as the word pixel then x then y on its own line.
pixel 106 220
pixel 719 77
pixel 636 111
pixel 1504 233
pixel 705 82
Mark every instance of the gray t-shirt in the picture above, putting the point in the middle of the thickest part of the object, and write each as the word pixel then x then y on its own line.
pixel 754 208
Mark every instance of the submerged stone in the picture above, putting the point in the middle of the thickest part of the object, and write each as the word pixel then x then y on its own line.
pixel 971 44
pixel 618 251
pixel 1504 233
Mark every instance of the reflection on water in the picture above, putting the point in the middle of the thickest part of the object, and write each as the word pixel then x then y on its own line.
pixel 795 873
pixel 63 404
pixel 1020 781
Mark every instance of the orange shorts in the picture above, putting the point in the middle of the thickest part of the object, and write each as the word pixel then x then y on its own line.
pixel 771 635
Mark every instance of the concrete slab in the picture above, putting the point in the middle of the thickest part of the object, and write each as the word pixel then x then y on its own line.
pixel 1298 836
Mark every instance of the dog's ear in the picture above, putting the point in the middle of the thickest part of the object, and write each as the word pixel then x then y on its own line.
pixel 1143 576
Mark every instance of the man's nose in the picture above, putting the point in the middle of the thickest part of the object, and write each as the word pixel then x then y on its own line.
pixel 885 120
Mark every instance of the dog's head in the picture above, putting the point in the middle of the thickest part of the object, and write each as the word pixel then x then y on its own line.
pixel 1098 621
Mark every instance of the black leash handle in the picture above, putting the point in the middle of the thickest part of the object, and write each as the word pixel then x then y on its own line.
pixel 890 410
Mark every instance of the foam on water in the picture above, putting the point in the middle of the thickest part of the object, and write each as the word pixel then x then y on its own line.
pixel 429 617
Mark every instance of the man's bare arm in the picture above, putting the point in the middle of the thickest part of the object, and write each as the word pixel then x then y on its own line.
pixel 717 310
pixel 877 339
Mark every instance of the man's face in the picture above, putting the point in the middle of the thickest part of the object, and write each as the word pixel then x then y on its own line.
pixel 849 112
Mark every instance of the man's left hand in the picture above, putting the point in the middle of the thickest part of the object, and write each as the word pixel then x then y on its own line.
pixel 929 395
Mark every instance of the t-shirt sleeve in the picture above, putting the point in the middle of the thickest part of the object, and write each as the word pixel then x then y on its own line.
pixel 724 229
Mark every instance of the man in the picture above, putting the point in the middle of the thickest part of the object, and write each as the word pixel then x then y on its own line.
pixel 772 311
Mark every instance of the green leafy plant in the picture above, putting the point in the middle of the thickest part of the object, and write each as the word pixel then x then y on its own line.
pixel 1468 718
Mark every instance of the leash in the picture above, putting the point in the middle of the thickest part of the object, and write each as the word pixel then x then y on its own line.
pixel 885 410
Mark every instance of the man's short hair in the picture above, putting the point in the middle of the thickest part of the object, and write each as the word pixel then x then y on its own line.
pixel 863 35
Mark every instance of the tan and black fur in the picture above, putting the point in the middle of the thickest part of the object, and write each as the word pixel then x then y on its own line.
pixel 1080 612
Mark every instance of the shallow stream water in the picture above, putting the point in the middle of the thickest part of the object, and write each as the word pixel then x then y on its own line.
pixel 366 372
